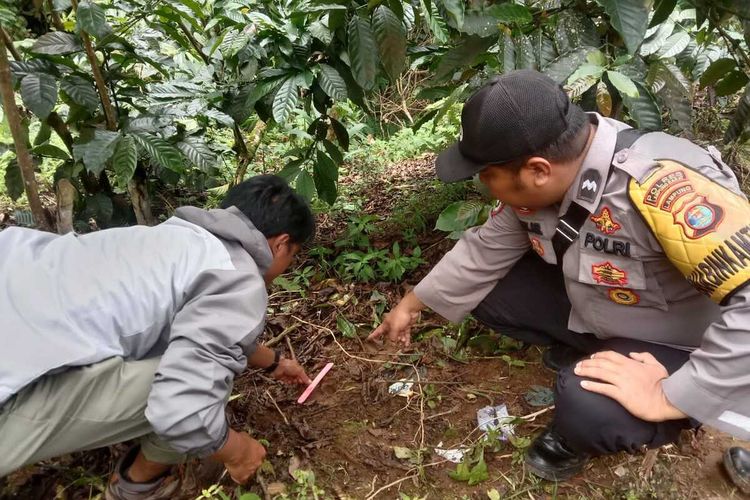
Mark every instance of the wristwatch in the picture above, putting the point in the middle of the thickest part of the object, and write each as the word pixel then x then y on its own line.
pixel 275 364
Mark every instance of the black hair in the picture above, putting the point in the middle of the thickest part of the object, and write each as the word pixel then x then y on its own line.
pixel 273 207
pixel 568 146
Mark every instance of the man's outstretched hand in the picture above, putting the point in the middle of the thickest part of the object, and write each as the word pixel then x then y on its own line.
pixel 290 371
pixel 397 324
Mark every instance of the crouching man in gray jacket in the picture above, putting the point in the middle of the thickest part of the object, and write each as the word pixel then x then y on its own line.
pixel 139 332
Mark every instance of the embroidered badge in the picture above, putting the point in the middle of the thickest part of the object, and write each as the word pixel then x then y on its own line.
pixel 624 296
pixel 661 185
pixel 609 274
pixel 605 223
pixel 698 217
pixel 497 208
pixel 537 246
pixel 589 186
pixel 523 210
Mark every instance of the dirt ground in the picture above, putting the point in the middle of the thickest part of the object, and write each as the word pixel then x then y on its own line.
pixel 352 432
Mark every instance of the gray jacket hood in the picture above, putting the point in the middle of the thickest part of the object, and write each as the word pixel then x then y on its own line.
pixel 231 225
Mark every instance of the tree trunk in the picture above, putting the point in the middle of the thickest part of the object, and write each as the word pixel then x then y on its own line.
pixel 248 150
pixel 66 196
pixel 141 202
pixel 19 139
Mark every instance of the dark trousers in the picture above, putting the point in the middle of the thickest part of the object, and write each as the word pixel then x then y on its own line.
pixel 530 304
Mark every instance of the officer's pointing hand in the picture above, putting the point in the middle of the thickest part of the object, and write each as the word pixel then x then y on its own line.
pixel 397 325
pixel 634 382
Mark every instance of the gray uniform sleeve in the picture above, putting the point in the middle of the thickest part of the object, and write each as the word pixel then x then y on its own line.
pixel 469 272
pixel 714 385
pixel 209 340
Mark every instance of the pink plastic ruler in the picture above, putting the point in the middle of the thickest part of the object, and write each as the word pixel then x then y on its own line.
pixel 311 387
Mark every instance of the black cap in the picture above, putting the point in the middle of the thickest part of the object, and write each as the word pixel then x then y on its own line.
pixel 511 116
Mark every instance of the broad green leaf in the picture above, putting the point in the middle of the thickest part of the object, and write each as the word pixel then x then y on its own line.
pixel 731 83
pixel 564 66
pixel 43 135
pixel 479 24
pixel 544 48
pixel 234 40
pixel 39 93
pixel 162 152
pixel 8 15
pixel 332 83
pixel 305 185
pixel 597 58
pixel 510 13
pixel 655 38
pixel 95 153
pixel 629 18
pixel 363 52
pixel 13 178
pixel 346 328
pixel 325 175
pixel 577 87
pixel 741 119
pixel 81 91
pixel 342 136
pixel 333 151
pixel 506 53
pixel 91 18
pixel 584 71
pixel 195 7
pixel 435 21
pixel 391 37
pixel 461 56
pixel 643 109
pixel 662 10
pixel 125 159
pixel 19 69
pixel 285 100
pixel 455 9
pixel 319 30
pixel 57 43
pixel 291 170
pixel 50 151
pixel 622 83
pixel 197 151
pixel 218 116
pixel 677 94
pixel 448 104
pixel 717 70
pixel 175 90
pixel 674 45
pixel 524 53
pixel 575 30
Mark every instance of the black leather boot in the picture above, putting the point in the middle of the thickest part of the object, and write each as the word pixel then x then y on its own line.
pixel 737 464
pixel 559 356
pixel 549 458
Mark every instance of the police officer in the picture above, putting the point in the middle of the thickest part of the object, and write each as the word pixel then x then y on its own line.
pixel 626 253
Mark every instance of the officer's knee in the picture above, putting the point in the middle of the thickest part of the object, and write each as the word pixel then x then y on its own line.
pixel 595 424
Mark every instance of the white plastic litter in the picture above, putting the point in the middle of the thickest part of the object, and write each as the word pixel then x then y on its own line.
pixel 455 455
pixel 495 418
pixel 401 388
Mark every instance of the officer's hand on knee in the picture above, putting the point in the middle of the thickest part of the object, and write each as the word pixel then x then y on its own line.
pixel 634 382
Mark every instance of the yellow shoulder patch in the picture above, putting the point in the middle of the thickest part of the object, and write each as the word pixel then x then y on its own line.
pixel 703 227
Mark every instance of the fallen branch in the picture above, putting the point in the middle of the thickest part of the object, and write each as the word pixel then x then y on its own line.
pixel 286 420
pixel 278 338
